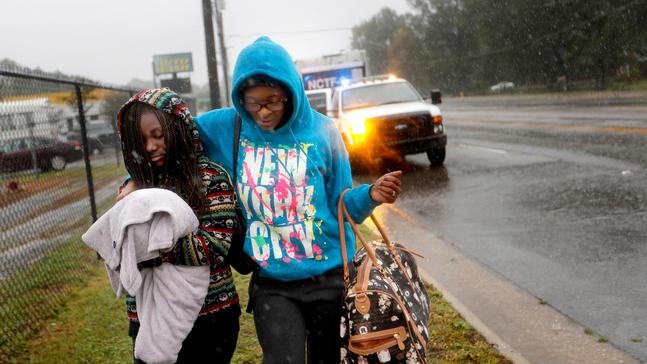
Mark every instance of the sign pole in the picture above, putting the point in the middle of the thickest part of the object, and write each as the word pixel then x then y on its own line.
pixel 212 62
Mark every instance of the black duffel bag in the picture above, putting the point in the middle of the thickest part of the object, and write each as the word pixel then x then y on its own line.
pixel 386 306
pixel 236 257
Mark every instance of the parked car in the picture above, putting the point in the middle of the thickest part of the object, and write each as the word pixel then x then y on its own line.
pixel 19 154
pixel 94 145
pixel 385 117
pixel 502 86
pixel 101 136
pixel 103 132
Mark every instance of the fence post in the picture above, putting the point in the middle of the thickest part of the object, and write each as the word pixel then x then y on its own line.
pixel 86 154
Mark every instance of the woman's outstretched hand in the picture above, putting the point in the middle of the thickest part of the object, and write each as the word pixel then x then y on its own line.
pixel 387 188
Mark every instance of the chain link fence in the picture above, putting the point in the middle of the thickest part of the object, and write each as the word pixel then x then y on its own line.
pixel 60 163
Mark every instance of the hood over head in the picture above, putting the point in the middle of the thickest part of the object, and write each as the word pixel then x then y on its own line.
pixel 167 101
pixel 180 172
pixel 266 58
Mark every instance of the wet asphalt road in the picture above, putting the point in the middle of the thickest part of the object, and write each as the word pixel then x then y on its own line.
pixel 551 193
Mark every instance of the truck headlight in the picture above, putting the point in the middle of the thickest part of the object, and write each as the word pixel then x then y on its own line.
pixel 357 126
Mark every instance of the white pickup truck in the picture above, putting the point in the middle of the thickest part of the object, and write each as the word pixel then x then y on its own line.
pixel 385 117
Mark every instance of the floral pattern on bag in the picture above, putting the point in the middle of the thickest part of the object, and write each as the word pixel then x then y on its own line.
pixel 377 333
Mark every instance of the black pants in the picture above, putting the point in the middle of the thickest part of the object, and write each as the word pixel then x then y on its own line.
pixel 294 317
pixel 212 339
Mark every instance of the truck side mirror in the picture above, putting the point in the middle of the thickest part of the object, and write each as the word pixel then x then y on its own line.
pixel 436 97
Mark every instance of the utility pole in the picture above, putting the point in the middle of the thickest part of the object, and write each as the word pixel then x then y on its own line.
pixel 223 49
pixel 212 62
pixel 154 76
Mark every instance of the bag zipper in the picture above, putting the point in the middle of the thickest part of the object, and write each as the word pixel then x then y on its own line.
pixel 373 342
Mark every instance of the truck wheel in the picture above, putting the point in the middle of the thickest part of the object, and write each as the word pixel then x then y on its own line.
pixel 57 162
pixel 436 156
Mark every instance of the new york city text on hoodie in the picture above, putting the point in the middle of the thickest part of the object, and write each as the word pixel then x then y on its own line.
pixel 288 180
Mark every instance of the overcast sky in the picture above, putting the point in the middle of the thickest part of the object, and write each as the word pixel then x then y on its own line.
pixel 114 40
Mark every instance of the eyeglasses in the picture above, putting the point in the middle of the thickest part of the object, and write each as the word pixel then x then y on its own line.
pixel 272 106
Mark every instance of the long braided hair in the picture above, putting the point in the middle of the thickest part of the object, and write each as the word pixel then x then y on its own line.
pixel 180 173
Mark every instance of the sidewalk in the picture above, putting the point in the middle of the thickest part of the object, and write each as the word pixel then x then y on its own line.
pixel 523 329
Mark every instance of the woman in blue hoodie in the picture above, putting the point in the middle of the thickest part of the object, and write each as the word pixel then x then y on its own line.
pixel 291 170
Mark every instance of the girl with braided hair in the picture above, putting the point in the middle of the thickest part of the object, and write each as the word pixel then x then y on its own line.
pixel 161 148
pixel 157 172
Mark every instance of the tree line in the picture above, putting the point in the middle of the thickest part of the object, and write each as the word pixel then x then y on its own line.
pixel 468 45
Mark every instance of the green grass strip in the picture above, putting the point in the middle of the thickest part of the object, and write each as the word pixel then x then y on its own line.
pixel 92 327
pixel 34 295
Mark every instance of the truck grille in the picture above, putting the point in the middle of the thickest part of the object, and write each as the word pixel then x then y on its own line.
pixel 402 127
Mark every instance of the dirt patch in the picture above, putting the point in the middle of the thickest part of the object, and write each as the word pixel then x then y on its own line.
pixel 14 190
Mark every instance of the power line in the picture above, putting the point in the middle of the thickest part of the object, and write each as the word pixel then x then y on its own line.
pixel 289 32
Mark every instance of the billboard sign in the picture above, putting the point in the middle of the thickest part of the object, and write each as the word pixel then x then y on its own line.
pixel 172 63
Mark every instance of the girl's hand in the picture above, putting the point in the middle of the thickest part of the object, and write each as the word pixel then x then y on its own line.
pixel 386 189
pixel 126 189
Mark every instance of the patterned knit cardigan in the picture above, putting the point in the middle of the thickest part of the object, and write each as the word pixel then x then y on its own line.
pixel 210 243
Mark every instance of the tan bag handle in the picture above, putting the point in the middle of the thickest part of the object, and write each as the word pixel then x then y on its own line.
pixel 342 214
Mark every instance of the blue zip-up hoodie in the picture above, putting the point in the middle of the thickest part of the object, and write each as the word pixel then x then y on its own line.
pixel 288 180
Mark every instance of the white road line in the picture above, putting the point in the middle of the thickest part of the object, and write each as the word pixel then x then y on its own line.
pixel 492 150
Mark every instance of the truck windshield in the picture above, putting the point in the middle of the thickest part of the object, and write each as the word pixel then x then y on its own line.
pixel 378 94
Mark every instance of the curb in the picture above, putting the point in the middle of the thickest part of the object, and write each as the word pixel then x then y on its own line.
pixel 504 348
